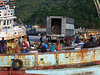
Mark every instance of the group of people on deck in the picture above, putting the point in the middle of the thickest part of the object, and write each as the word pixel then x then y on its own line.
pixel 67 41
pixel 48 45
pixel 45 46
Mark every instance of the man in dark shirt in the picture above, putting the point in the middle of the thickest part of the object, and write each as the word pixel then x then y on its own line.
pixel 43 48
pixel 2 42
pixel 91 38
pixel 41 39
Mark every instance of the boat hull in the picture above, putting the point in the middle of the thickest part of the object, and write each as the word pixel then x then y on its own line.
pixel 51 60
pixel 17 73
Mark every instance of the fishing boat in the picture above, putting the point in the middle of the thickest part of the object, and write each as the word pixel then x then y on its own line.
pixel 9 29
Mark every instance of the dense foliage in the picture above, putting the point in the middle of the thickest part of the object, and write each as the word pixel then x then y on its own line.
pixel 35 11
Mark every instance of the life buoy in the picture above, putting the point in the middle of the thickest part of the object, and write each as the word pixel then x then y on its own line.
pixel 2 3
pixel 17 64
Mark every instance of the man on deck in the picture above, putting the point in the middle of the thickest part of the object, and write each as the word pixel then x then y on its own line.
pixel 2 42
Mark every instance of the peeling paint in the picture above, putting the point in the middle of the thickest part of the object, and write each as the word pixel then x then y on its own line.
pixel 52 58
pixel 47 60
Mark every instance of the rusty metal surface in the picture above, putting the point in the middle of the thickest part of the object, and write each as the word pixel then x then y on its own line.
pixel 28 60
pixel 47 60
pixel 97 55
pixel 63 58
pixel 6 61
pixel 52 59
pixel 84 56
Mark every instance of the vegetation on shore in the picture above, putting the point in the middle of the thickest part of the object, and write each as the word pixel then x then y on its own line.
pixel 33 12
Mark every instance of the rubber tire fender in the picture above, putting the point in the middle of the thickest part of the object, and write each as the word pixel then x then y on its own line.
pixel 2 3
pixel 20 64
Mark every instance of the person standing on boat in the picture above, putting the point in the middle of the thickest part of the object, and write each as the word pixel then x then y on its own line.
pixel 58 44
pixel 41 39
pixel 58 40
pixel 2 42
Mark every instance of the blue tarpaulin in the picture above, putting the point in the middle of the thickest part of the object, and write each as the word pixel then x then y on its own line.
pixel 29 26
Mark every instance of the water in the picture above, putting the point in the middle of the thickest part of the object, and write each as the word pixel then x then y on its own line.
pixel 92 70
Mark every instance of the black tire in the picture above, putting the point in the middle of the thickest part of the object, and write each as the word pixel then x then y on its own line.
pixel 20 64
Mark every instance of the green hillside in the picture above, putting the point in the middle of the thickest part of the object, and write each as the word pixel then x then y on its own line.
pixel 35 11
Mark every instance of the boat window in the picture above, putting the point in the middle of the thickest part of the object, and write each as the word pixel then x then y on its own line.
pixel 8 27
pixel 4 23
pixel 8 10
pixel 15 33
pixel 10 21
pixel 5 27
pixel 7 22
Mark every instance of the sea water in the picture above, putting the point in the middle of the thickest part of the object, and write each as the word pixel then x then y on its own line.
pixel 92 70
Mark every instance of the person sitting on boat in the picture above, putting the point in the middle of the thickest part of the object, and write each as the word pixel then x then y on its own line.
pixel 73 41
pixel 49 39
pixel 52 48
pixel 80 37
pixel 46 45
pixel 10 50
pixel 91 43
pixel 25 44
pixel 2 42
pixel 98 41
pixel 67 42
pixel 77 39
pixel 43 48
pixel 91 38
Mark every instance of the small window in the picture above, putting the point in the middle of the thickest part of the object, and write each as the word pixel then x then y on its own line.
pixel 7 22
pixel 15 33
pixel 8 10
pixel 4 23
pixel 5 27
pixel 8 27
pixel 10 21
